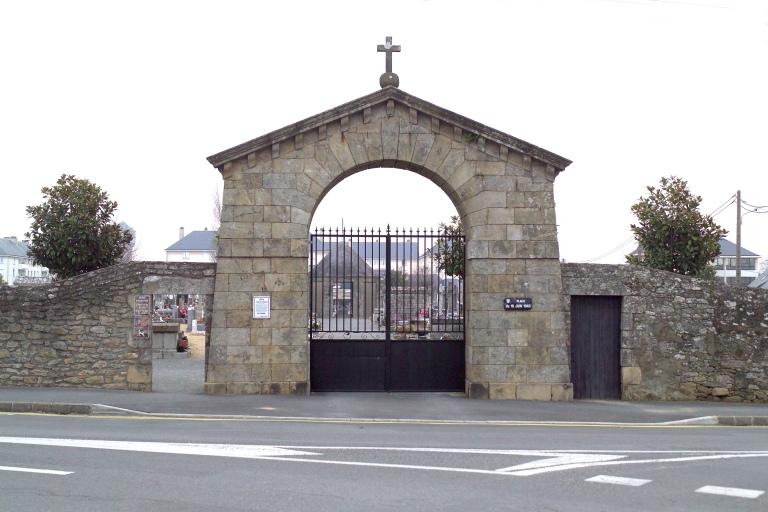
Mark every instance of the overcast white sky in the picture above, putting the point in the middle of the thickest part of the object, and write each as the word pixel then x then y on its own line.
pixel 135 95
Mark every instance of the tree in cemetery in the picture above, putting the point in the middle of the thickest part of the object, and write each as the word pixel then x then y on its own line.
pixel 72 230
pixel 398 277
pixel 671 232
pixel 448 252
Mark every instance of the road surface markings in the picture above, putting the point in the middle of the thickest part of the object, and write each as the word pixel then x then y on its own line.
pixel 606 479
pixel 557 460
pixel 730 491
pixel 31 470
pixel 216 450
pixel 546 460
pixel 526 470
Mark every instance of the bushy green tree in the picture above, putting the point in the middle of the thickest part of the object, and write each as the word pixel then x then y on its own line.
pixel 398 277
pixel 672 233
pixel 2 281
pixel 72 230
pixel 449 253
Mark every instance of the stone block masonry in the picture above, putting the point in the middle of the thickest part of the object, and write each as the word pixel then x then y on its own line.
pixel 502 188
pixel 79 332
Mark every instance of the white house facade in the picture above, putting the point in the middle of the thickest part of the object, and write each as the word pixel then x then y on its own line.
pixel 725 264
pixel 16 267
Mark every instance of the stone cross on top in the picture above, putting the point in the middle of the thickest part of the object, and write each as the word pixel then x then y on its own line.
pixel 389 78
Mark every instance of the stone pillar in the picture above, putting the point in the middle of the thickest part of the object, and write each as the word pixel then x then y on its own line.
pixel 263 251
pixel 513 253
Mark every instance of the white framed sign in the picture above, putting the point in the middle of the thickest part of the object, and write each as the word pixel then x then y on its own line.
pixel 261 306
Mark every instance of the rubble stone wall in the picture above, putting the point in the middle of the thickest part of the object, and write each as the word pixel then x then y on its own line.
pixel 79 332
pixel 682 338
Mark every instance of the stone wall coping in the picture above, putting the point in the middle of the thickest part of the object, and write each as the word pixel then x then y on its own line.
pixel 387 93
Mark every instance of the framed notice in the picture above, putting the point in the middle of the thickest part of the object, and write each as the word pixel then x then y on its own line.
pixel 141 305
pixel 141 327
pixel 261 306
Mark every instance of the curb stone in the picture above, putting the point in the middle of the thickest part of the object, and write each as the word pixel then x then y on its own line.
pixel 99 409
pixel 743 421
pixel 45 408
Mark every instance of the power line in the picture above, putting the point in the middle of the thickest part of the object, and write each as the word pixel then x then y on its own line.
pixel 717 211
pixel 720 209
pixel 756 208
pixel 592 260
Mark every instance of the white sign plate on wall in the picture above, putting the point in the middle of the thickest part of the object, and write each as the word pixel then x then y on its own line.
pixel 261 306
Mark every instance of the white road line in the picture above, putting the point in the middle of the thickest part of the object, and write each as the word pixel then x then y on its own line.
pixel 564 467
pixel 552 460
pixel 391 466
pixel 31 470
pixel 560 460
pixel 618 480
pixel 730 491
pixel 543 453
pixel 217 450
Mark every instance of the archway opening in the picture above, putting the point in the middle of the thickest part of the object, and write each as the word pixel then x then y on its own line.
pixel 378 197
pixel 384 313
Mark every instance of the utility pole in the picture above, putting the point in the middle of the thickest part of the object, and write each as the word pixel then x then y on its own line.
pixel 738 237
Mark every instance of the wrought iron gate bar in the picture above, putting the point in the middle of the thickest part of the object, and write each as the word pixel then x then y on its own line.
pixel 382 315
pixel 383 285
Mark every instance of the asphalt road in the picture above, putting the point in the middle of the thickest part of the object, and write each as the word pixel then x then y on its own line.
pixel 148 464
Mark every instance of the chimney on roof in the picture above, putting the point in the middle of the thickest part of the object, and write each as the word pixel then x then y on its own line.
pixel 181 232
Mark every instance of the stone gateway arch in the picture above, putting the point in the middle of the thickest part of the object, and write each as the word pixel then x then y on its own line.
pixel 501 186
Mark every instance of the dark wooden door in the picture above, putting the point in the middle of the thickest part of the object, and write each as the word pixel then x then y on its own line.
pixel 595 346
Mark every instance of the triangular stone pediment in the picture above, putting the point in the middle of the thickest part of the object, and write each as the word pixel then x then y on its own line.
pixel 461 128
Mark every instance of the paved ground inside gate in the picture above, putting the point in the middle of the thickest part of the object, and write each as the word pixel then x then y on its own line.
pixel 184 376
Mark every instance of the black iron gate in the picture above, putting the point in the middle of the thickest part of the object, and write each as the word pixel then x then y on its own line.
pixel 595 346
pixel 382 315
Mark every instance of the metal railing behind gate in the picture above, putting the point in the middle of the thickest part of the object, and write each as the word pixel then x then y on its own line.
pixel 367 284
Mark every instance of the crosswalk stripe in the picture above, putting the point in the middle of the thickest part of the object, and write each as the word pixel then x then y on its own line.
pixel 730 491
pixel 618 480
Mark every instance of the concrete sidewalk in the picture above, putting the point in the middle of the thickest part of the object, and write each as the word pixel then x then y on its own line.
pixel 178 390
pixel 424 407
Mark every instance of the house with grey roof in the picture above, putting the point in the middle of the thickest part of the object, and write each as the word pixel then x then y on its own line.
pixel 404 254
pixel 197 247
pixel 725 264
pixel 16 266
